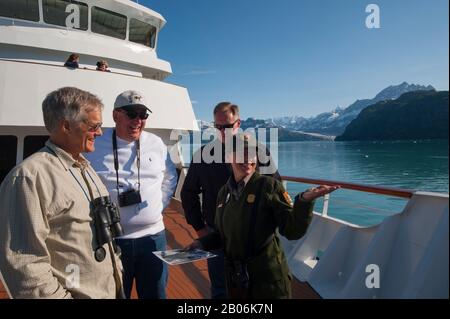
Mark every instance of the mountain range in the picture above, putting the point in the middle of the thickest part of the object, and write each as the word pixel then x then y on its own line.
pixel 414 115
pixel 327 125
pixel 334 122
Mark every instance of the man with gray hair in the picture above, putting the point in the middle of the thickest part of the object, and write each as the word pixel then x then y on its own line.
pixel 50 241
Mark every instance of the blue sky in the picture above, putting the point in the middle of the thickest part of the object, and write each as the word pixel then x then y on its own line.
pixel 300 57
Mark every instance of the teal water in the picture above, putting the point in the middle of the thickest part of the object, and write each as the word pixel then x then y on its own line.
pixel 416 165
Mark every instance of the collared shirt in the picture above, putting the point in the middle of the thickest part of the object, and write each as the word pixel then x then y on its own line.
pixel 47 239
pixel 236 189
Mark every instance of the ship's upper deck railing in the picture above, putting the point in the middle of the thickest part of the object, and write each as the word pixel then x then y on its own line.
pixel 90 68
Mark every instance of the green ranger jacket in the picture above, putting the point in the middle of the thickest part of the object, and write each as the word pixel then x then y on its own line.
pixel 273 209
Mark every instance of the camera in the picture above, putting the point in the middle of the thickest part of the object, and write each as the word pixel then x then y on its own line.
pixel 129 197
pixel 107 224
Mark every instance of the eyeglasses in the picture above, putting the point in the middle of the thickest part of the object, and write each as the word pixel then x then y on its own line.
pixel 134 114
pixel 221 127
pixel 93 127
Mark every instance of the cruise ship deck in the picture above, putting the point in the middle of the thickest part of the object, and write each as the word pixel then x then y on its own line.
pixel 190 281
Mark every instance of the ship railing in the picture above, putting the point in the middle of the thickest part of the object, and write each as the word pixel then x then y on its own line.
pixel 81 68
pixel 374 189
pixel 380 190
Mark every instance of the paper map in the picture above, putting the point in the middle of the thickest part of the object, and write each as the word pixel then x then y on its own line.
pixel 180 256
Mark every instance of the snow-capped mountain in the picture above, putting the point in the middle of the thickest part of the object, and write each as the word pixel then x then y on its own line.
pixel 394 92
pixel 335 122
pixel 328 124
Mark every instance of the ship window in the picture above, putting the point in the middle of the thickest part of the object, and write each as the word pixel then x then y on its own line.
pixel 32 144
pixel 109 23
pixel 20 9
pixel 7 155
pixel 143 33
pixel 71 14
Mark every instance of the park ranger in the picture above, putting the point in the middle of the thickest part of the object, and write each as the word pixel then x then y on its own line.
pixel 250 209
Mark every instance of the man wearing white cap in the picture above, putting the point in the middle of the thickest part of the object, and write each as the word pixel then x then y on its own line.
pixel 137 170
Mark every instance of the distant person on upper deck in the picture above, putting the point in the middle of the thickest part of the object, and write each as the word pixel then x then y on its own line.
pixel 72 61
pixel 102 65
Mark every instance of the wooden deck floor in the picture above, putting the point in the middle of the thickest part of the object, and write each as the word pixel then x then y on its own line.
pixel 3 294
pixel 191 281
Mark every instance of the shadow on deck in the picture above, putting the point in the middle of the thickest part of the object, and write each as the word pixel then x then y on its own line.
pixel 191 281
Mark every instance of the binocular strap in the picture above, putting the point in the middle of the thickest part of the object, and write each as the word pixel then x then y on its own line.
pixel 120 294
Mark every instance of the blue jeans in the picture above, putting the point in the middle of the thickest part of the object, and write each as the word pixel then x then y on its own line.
pixel 141 264
pixel 216 271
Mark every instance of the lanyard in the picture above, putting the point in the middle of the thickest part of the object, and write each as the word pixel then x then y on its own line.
pixel 90 198
pixel 83 174
pixel 116 160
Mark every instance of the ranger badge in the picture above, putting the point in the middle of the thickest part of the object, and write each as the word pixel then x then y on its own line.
pixel 287 198
pixel 251 199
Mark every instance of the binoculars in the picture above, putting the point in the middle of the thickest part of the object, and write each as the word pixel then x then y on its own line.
pixel 107 224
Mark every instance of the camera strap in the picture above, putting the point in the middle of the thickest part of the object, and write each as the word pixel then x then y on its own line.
pixel 138 162
pixel 116 160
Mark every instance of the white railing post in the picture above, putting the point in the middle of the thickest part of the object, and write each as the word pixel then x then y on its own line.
pixel 326 199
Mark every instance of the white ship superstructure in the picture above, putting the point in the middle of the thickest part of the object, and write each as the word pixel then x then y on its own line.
pixel 36 38
pixel 408 251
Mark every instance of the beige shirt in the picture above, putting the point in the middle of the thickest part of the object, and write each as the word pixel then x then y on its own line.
pixel 47 232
